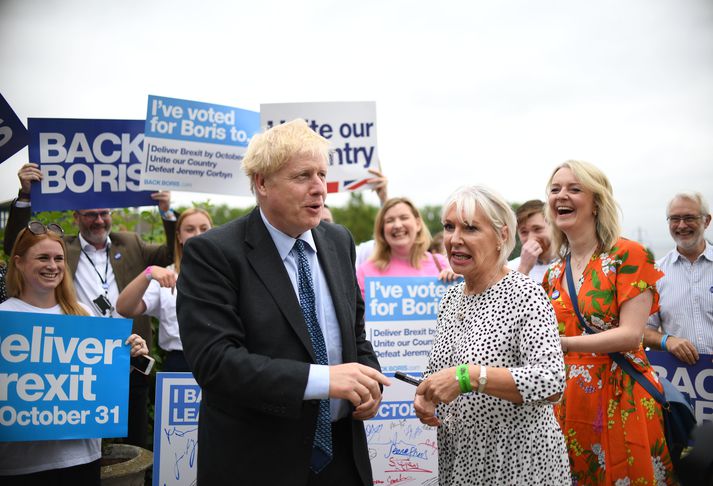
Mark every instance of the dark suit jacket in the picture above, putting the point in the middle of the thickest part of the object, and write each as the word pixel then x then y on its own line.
pixel 246 340
pixel 135 255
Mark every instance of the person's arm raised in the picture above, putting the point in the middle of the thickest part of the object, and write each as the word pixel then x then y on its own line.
pixel 130 302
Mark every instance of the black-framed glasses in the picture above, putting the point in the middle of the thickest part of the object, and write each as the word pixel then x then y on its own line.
pixel 688 219
pixel 92 215
pixel 37 228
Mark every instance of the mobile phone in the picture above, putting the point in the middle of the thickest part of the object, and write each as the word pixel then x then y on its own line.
pixel 142 364
pixel 407 378
pixel 103 305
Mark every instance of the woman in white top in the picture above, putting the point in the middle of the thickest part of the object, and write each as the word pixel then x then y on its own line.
pixel 37 281
pixel 153 293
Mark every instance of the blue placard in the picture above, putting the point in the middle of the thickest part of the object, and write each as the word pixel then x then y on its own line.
pixel 13 134
pixel 87 163
pixel 403 298
pixel 695 381
pixel 63 377
pixel 195 121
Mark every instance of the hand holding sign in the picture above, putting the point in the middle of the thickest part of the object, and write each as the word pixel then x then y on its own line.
pixel 28 174
pixel 164 200
pixel 379 184
pixel 683 349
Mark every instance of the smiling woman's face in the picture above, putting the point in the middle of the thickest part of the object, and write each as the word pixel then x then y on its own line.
pixel 42 266
pixel 571 204
pixel 401 228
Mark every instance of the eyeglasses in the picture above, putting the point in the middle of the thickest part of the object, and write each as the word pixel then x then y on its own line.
pixel 688 219
pixel 37 228
pixel 92 215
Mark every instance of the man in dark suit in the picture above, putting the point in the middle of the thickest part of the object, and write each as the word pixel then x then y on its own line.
pixel 102 262
pixel 251 295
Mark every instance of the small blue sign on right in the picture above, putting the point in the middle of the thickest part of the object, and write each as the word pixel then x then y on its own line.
pixel 696 381
pixel 178 402
pixel 13 134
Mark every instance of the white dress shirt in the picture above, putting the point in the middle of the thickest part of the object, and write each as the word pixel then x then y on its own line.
pixel 89 275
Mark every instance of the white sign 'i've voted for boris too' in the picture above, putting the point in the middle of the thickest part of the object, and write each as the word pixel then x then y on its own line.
pixel 400 319
pixel 196 147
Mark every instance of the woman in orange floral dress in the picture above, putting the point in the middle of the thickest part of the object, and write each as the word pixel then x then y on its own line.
pixel 612 426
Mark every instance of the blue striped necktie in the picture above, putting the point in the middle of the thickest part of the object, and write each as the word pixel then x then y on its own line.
pixel 322 446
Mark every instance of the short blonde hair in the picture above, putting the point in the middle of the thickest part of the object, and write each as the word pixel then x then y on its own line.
pixel 608 227
pixel 381 256
pixel 269 151
pixel 466 201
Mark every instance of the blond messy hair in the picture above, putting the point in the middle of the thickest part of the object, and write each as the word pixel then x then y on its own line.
pixel 269 151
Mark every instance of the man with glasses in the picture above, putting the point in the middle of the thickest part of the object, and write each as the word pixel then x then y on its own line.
pixel 683 326
pixel 102 262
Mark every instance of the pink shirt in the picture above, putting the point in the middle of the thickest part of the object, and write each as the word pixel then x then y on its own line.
pixel 401 268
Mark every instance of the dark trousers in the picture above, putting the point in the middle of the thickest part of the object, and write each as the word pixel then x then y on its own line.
pixel 341 470
pixel 138 409
pixel 175 361
pixel 84 474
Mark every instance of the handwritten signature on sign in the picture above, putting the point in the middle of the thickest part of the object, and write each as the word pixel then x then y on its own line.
pixel 405 465
pixel 186 446
pixel 395 480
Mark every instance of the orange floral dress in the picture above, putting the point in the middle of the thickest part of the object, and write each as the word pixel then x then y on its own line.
pixel 613 428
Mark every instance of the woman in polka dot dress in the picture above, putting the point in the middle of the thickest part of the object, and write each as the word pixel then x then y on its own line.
pixel 496 366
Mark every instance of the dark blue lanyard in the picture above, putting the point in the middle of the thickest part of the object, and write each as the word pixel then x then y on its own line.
pixel 104 280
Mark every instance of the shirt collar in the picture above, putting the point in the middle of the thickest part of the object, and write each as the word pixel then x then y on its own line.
pixel 88 246
pixel 284 242
pixel 707 253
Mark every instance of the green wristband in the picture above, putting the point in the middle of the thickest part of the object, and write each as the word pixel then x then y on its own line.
pixel 463 377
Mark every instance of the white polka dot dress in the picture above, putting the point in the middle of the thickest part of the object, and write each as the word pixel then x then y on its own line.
pixel 485 440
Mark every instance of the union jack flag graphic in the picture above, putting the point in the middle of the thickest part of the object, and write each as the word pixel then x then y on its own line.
pixel 348 185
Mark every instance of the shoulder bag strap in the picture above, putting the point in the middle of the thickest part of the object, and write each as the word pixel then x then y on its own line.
pixel 617 357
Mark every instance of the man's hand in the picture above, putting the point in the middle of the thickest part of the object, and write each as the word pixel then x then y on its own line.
pixel 163 198
pixel 27 174
pixel 682 349
pixel 357 383
pixel 367 410
pixel 441 387
pixel 529 254
pixel 425 411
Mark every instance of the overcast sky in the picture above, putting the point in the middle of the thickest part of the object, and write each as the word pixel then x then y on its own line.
pixel 467 92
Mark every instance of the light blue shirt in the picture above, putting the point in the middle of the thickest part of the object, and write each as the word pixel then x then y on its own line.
pixel 318 381
pixel 686 298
